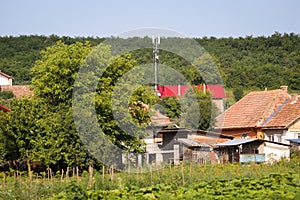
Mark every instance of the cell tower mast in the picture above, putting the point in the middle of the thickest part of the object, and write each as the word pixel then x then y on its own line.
pixel 156 43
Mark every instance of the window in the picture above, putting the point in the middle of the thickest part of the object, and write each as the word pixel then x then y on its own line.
pixel 245 136
pixel 279 138
pixel 271 138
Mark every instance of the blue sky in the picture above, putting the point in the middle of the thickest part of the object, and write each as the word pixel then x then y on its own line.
pixel 193 18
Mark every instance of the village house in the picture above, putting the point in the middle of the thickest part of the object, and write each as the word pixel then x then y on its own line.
pixel 5 79
pixel 268 121
pixel 17 90
pixel 252 150
pixel 172 144
pixel 284 124
pixel 271 115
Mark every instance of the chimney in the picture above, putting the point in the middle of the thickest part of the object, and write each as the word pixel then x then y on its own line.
pixel 284 88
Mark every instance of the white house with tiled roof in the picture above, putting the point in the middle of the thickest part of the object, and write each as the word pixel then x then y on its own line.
pixel 284 124
pixel 247 116
pixel 272 115
pixel 17 90
pixel 5 79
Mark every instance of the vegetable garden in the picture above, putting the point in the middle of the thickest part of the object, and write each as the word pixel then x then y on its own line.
pixel 185 181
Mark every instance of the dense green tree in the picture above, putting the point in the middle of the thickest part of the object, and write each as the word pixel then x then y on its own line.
pixel 55 73
pixel 4 95
pixel 129 103
pixel 198 110
pixel 238 93
pixel 54 78
pixel 8 147
pixel 170 106
pixel 22 127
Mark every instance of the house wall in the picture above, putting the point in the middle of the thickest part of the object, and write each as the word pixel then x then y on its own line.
pixel 282 135
pixel 295 126
pixel 237 133
pixel 293 131
pixel 253 147
pixel 196 155
pixel 274 152
pixel 5 81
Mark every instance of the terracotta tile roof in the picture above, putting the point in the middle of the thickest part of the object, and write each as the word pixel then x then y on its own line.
pixel 285 115
pixel 252 110
pixel 18 90
pixel 211 140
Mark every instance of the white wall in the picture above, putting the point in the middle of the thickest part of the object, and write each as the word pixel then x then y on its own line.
pixel 275 152
pixel 5 81
pixel 281 136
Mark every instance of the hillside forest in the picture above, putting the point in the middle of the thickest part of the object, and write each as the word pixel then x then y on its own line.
pixel 248 63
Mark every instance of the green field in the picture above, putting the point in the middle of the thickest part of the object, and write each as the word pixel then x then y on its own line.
pixel 185 181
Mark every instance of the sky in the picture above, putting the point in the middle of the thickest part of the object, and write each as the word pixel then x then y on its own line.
pixel 191 18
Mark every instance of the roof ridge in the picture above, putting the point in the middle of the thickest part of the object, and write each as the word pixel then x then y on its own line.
pixel 276 111
pixel 5 75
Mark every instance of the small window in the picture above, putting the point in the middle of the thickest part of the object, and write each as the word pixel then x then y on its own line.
pixel 271 138
pixel 279 138
pixel 245 136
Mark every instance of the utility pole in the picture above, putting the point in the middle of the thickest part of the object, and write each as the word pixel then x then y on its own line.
pixel 156 43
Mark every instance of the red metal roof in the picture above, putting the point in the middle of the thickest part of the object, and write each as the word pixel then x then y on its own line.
pixel 217 91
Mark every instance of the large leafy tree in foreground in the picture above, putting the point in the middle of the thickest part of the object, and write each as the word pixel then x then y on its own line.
pixel 54 136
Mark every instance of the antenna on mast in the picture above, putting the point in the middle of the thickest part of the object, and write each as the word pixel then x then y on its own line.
pixel 156 43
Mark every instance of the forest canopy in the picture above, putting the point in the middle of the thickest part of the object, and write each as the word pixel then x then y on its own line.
pixel 246 62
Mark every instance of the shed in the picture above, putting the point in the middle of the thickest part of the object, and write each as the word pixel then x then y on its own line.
pixel 252 150
pixel 192 150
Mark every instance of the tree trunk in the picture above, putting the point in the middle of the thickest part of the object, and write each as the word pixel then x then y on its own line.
pixel 103 173
pixel 4 180
pixel 91 175
pixel 67 174
pixel 77 173
pixel 112 173
pixel 51 174
pixel 29 170
pixel 62 174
